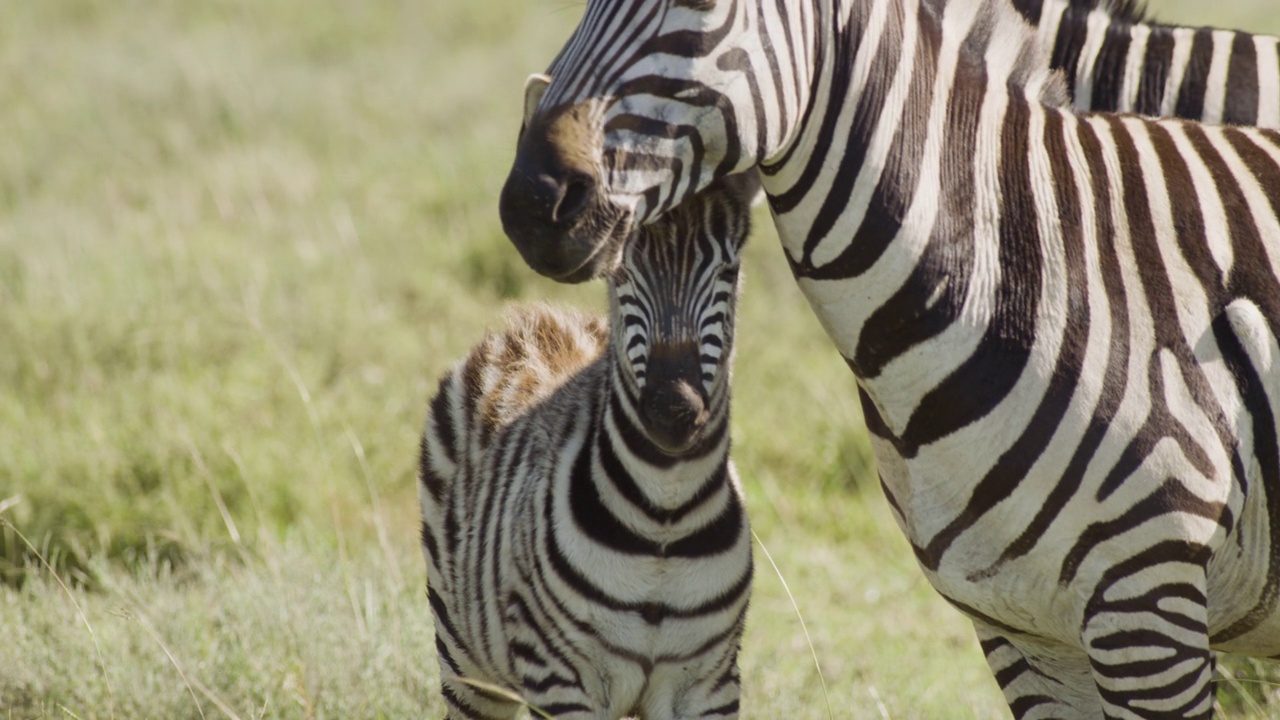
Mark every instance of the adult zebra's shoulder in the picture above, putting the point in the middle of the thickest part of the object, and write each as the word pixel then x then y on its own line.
pixel 586 540
pixel 1116 59
pixel 1065 328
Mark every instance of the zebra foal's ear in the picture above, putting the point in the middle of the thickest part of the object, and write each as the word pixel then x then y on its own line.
pixel 534 86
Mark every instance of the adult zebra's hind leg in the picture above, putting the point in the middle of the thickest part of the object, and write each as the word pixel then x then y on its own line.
pixel 1039 681
pixel 1146 633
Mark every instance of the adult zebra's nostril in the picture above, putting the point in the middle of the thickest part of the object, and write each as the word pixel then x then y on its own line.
pixel 575 197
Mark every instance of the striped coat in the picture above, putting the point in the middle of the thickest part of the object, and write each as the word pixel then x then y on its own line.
pixel 1115 59
pixel 1064 328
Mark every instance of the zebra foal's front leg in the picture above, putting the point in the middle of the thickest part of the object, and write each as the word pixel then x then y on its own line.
pixel 466 701
pixel 709 692
pixel 1146 633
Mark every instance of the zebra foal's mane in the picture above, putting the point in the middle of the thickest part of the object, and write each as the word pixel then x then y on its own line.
pixel 539 348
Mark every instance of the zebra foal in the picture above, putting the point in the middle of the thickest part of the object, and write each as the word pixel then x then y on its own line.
pixel 1065 329
pixel 585 537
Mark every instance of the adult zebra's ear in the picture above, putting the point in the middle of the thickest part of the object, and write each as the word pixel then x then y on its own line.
pixel 534 87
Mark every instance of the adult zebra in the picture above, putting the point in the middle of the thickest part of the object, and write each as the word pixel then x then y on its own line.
pixel 1063 328
pixel 1116 59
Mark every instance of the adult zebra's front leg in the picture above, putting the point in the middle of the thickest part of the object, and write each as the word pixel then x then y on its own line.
pixel 1146 633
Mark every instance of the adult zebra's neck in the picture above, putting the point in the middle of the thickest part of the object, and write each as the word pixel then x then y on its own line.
pixel 884 71
pixel 897 244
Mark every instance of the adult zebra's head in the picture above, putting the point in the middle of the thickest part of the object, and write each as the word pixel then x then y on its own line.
pixel 672 304
pixel 651 100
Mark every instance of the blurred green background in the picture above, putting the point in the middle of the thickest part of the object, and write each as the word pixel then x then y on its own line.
pixel 239 239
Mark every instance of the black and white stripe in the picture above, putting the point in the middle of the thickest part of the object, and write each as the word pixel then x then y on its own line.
pixel 1065 328
pixel 585 536
pixel 1115 59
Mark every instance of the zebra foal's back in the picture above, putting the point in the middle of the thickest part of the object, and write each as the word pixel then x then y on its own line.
pixel 586 542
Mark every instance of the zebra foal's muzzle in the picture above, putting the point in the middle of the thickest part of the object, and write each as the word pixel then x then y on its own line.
pixel 673 405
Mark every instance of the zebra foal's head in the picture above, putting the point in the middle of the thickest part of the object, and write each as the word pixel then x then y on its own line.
pixel 652 100
pixel 672 304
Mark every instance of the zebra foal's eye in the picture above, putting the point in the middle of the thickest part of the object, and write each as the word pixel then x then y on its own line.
pixel 699 5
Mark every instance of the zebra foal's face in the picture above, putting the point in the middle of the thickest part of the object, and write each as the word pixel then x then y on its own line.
pixel 651 101
pixel 672 302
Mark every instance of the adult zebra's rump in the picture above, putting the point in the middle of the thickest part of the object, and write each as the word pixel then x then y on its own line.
pixel 1064 327
pixel 586 542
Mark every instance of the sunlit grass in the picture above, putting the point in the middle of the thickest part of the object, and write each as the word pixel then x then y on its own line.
pixel 238 241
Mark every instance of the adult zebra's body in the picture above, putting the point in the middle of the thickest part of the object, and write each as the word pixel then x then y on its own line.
pixel 1115 59
pixel 585 537
pixel 1063 328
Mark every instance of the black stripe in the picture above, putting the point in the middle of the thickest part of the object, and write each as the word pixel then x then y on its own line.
pixel 1072 34
pixel 1108 69
pixel 1195 79
pixel 593 518
pixel 894 192
pixel 716 537
pixel 1030 9
pixel 1026 703
pixel 1240 106
pixel 1155 71
pixel 443 419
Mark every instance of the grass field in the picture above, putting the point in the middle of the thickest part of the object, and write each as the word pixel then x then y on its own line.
pixel 238 241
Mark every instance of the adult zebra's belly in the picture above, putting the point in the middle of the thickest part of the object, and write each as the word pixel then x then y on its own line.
pixel 1028 552
pixel 1243 583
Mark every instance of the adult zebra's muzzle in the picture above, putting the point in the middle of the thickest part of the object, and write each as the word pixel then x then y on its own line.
pixel 552 207
pixel 673 405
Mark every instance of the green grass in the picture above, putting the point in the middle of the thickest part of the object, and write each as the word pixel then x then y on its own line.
pixel 238 241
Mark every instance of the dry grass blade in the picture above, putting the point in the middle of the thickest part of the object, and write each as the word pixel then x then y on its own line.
pixel 191 682
pixel 507 694
pixel 102 666
pixel 9 502
pixel 817 666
